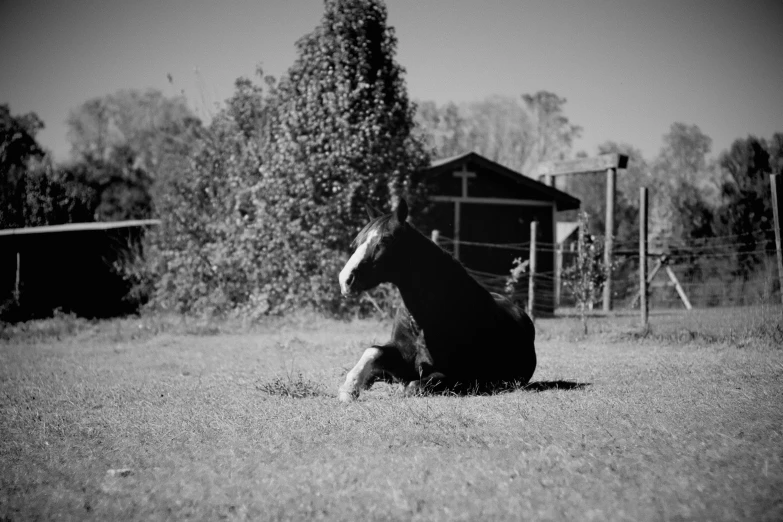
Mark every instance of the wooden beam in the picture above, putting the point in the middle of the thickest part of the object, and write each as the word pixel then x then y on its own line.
pixel 557 251
pixel 677 285
pixel 455 241
pixel 650 278
pixel 776 184
pixel 491 201
pixel 18 276
pixel 611 178
pixel 531 268
pixel 594 164
pixel 465 175
pixel 643 255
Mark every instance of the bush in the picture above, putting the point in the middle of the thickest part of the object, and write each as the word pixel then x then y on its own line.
pixel 261 218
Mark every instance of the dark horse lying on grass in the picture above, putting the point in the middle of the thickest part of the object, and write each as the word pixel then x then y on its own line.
pixel 452 334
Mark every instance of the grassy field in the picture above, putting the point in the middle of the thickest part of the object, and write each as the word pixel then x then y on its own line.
pixel 156 419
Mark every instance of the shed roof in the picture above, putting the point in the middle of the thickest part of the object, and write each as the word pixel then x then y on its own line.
pixel 79 227
pixel 564 230
pixel 562 200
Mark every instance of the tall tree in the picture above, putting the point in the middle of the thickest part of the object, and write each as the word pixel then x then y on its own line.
pixel 139 121
pixel 682 180
pixel 249 107
pixel 746 211
pixel 554 133
pixel 18 148
pixel 261 218
pixel 515 132
pixel 342 132
pixel 443 129
pixel 499 128
pixel 129 141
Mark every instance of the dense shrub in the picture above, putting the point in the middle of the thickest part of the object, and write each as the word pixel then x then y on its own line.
pixel 261 218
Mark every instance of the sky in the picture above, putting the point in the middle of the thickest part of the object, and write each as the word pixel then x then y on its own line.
pixel 628 68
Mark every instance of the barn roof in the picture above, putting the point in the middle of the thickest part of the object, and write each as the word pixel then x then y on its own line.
pixel 564 230
pixel 562 200
pixel 78 227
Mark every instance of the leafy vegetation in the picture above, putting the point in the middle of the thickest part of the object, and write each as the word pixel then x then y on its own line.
pixel 259 203
pixel 261 220
pixel 517 133
pixel 586 277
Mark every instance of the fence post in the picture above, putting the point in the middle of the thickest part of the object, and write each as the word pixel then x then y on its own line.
pixel 558 273
pixel 17 294
pixel 611 178
pixel 643 254
pixel 531 286
pixel 776 184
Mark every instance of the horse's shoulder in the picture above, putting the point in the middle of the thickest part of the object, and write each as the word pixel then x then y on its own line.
pixel 514 312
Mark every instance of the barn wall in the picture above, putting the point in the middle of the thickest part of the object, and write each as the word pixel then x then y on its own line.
pixel 70 271
pixel 494 223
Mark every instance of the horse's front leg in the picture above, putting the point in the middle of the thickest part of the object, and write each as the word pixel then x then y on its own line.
pixel 433 382
pixel 357 377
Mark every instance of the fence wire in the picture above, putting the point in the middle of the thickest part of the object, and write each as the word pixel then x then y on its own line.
pixel 728 270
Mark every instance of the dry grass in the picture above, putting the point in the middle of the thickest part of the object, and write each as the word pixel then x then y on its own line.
pixel 219 425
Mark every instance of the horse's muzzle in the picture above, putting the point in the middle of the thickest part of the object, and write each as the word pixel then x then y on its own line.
pixel 346 284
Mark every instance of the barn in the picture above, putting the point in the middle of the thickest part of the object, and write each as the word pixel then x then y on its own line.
pixel 68 267
pixel 482 212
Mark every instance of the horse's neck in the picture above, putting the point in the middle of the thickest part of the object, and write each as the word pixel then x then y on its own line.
pixel 428 284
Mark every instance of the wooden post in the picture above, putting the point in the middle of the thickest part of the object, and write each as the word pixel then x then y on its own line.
pixel 457 211
pixel 18 276
pixel 465 176
pixel 776 184
pixel 531 285
pixel 678 287
pixel 643 254
pixel 611 176
pixel 650 278
pixel 558 277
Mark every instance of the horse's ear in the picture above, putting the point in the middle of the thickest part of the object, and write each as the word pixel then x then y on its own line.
pixel 371 212
pixel 401 212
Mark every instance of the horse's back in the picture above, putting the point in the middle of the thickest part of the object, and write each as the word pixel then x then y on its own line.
pixel 499 346
pixel 518 316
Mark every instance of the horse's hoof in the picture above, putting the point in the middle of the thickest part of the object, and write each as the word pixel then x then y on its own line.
pixel 412 389
pixel 347 395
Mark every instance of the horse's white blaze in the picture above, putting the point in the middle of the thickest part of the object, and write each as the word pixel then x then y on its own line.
pixel 356 378
pixel 354 261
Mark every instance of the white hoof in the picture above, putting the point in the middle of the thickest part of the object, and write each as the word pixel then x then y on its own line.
pixel 347 395
pixel 413 388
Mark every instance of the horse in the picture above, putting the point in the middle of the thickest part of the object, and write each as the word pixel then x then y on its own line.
pixel 450 333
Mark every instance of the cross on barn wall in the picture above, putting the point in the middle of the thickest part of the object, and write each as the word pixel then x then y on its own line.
pixel 465 198
pixel 465 175
pixel 485 206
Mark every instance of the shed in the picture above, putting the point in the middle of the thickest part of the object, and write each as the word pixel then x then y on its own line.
pixel 69 267
pixel 484 210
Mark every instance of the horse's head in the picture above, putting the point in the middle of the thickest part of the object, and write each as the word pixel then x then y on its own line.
pixel 377 251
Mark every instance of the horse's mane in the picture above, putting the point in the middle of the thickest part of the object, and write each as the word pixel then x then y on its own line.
pixel 380 221
pixel 440 260
pixel 434 255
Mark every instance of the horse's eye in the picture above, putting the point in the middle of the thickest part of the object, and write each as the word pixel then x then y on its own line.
pixel 384 242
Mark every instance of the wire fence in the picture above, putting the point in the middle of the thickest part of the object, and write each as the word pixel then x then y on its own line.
pixel 730 270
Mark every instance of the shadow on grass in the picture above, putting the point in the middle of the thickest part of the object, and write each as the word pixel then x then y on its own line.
pixel 498 388
pixel 541 386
